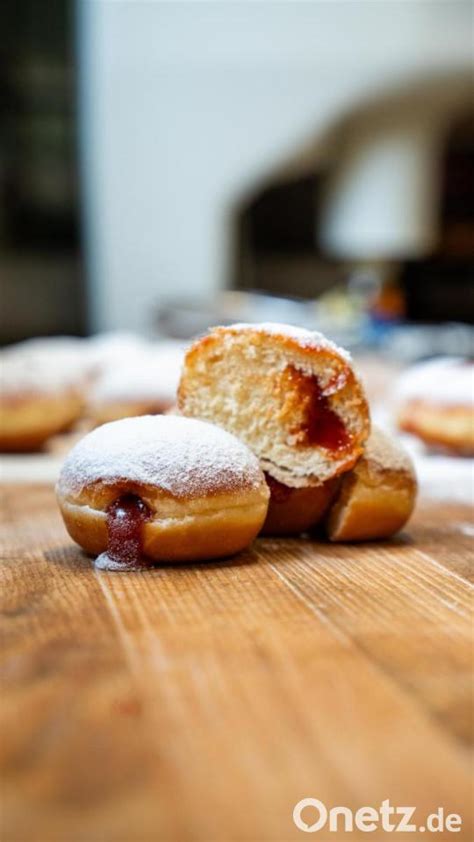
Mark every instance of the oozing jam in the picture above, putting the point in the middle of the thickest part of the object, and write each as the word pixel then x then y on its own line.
pixel 321 425
pixel 278 490
pixel 125 519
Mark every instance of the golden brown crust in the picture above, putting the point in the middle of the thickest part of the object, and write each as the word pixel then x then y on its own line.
pixel 449 428
pixel 98 495
pixel 295 510
pixel 377 497
pixel 182 532
pixel 290 341
pixel 27 422
pixel 204 492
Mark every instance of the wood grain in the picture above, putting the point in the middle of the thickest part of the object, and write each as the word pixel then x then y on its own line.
pixel 202 702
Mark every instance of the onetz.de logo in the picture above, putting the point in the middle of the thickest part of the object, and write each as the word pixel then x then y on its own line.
pixel 311 815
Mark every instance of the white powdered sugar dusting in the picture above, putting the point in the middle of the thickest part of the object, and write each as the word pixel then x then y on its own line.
pixel 104 561
pixel 151 375
pixel 304 337
pixel 387 451
pixel 43 366
pixel 115 348
pixel 182 456
pixel 444 380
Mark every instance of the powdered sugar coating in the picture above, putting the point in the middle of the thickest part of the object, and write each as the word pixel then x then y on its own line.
pixel 181 456
pixel 106 562
pixel 385 452
pixel 306 338
pixel 444 380
pixel 114 348
pixel 152 375
pixel 47 365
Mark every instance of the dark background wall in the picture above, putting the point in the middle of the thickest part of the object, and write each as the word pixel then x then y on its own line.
pixel 278 250
pixel 40 245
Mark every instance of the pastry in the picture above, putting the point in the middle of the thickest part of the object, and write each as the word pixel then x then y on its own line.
pixel 377 497
pixel 42 389
pixel 373 500
pixel 295 510
pixel 161 488
pixel 290 394
pixel 145 384
pixel 435 402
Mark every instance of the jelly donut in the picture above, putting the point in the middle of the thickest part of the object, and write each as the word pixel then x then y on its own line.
pixel 42 389
pixel 435 402
pixel 377 497
pixel 115 348
pixel 145 384
pixel 161 488
pixel 290 394
pixel 295 510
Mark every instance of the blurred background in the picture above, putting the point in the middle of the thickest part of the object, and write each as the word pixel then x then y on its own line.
pixel 164 167
pixel 167 165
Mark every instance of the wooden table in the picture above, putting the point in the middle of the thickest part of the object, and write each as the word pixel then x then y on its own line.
pixel 202 702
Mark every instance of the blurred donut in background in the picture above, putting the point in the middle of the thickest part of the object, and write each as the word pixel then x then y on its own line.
pixel 43 386
pixel 53 390
pixel 435 402
pixel 113 348
pixel 145 384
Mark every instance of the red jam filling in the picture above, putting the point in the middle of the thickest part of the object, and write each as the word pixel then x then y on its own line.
pixel 321 426
pixel 126 517
pixel 279 492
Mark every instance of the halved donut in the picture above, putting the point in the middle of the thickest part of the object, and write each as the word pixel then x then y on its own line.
pixel 377 497
pixel 290 394
pixel 295 510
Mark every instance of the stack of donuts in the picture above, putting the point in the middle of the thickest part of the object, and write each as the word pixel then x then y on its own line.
pixel 273 436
